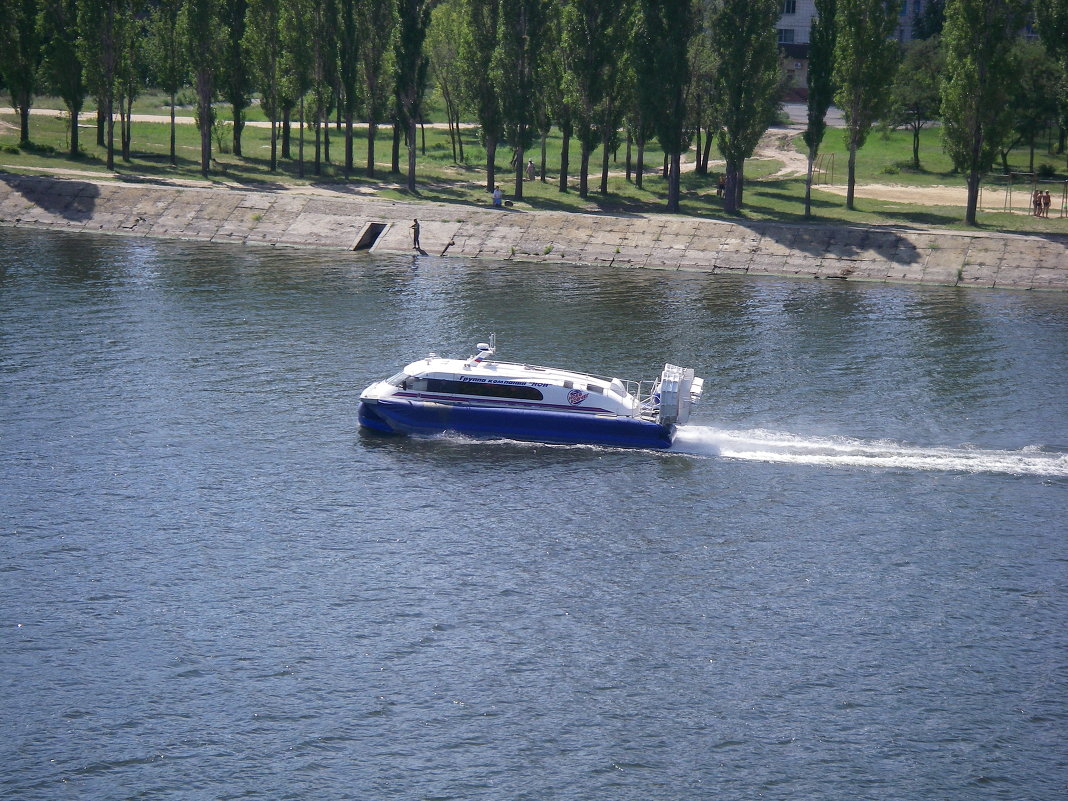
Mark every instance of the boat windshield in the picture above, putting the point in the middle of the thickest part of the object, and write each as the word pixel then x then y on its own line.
pixel 398 380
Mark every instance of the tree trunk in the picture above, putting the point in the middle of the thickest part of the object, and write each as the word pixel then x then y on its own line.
pixel 174 153
pixel 372 129
pixel 629 171
pixel 452 131
pixel 394 165
pixel 730 190
pixel 973 197
pixel 708 148
pixel 318 166
pixel 544 156
pixel 24 121
pixel 300 141
pixel 852 178
pixel 604 165
pixel 411 154
pixel 808 183
pixel 519 173
pixel 459 137
pixel 348 143
pixel 125 107
pixel 700 168
pixel 491 163
pixel 110 163
pixel 101 124
pixel 639 167
pixel 274 144
pixel 916 148
pixel 583 170
pixel 287 134
pixel 239 127
pixel 74 111
pixel 565 151
pixel 674 175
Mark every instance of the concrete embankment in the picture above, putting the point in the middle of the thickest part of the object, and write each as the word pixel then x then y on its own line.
pixel 335 219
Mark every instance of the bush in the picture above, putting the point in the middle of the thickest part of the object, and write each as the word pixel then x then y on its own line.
pixel 41 150
pixel 1047 171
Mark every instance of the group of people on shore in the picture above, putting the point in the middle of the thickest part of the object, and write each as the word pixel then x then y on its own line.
pixel 1040 202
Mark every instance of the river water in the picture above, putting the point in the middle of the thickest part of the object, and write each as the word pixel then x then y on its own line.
pixel 847 580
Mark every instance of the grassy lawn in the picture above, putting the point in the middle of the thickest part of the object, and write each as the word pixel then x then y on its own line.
pixel 887 158
pixel 883 160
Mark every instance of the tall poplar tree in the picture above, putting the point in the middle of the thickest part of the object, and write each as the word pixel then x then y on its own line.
pixel 98 48
pixel 514 67
pixel 558 107
pixel 442 42
pixel 820 80
pixel 413 18
pixel 976 114
pixel 296 69
pixel 236 78
pixel 477 43
pixel 349 35
pixel 20 57
pixel 130 38
pixel 618 83
pixel 167 56
pixel 62 66
pixel 585 51
pixel 323 71
pixel 204 42
pixel 749 76
pixel 662 31
pixel 376 58
pixel 263 44
pixel 864 62
pixel 1052 19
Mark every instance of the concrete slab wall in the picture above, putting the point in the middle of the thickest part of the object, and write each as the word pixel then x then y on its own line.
pixel 335 220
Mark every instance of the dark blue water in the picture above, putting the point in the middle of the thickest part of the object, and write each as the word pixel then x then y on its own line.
pixel 848 581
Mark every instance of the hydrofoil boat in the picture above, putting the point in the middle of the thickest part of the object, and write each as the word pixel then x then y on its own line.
pixel 482 397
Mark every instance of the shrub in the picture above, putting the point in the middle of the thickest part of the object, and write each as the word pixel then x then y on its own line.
pixel 1046 171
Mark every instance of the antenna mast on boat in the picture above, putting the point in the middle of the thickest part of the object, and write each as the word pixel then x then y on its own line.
pixel 484 350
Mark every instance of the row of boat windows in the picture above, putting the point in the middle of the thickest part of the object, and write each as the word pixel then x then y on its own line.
pixel 446 386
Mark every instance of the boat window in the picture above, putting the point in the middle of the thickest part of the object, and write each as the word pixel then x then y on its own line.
pixel 397 380
pixel 513 391
pixel 596 388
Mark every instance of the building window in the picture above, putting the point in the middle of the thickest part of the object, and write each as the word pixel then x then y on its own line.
pixel 789 6
pixel 904 8
pixel 786 35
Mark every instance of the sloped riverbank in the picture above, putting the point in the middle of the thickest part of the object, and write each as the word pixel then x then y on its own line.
pixel 334 219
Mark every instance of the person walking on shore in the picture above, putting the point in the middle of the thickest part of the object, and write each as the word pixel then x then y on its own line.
pixel 415 235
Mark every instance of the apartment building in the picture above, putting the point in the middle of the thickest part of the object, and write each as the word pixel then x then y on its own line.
pixel 796 23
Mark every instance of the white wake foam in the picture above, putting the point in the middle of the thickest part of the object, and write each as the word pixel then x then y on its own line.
pixel 773 446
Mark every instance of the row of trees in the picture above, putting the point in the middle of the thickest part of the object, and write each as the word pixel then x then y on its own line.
pixel 677 71
pixel 991 88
